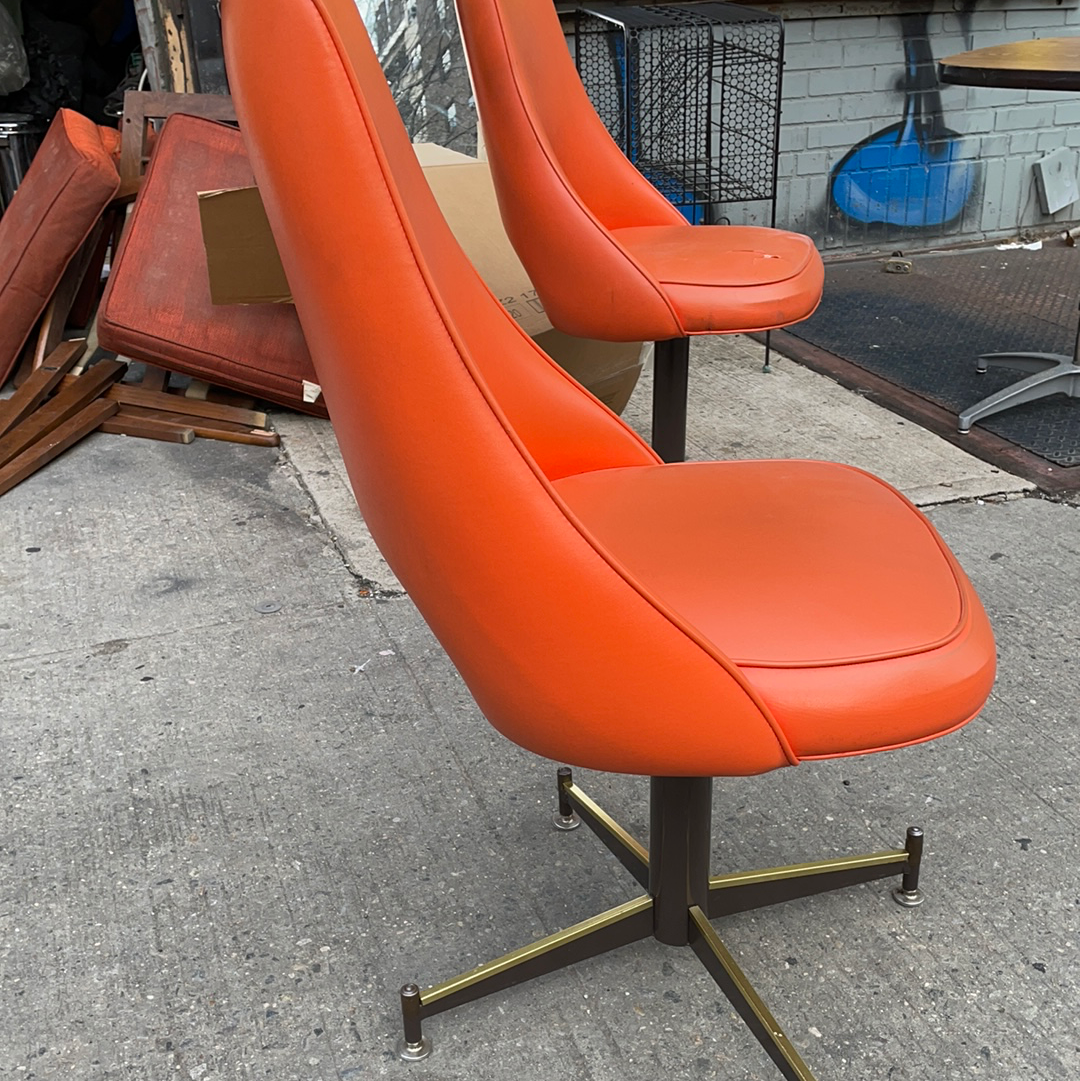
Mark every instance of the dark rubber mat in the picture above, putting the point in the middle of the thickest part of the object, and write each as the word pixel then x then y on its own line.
pixel 923 331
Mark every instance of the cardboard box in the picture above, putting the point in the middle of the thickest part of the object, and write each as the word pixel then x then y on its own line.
pixel 241 256
pixel 609 370
pixel 463 189
pixel 244 266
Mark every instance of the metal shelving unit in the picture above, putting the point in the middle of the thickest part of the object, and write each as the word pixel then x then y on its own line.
pixel 691 92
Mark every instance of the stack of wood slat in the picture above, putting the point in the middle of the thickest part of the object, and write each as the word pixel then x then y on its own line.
pixel 56 401
pixel 53 408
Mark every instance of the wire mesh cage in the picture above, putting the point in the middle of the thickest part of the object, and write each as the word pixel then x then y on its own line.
pixel 691 92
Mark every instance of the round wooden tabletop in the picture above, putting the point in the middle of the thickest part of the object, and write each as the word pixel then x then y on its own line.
pixel 1039 64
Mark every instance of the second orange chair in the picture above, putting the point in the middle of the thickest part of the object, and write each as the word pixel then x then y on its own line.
pixel 609 256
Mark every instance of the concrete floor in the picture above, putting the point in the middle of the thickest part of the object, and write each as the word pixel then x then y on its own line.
pixel 245 797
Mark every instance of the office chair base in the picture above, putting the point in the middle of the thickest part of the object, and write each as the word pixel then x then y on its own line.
pixel 1051 373
pixel 681 899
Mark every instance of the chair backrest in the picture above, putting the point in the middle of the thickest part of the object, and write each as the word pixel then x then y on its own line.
pixel 562 182
pixel 140 121
pixel 452 422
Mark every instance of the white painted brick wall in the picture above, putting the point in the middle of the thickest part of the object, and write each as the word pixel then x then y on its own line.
pixel 842 83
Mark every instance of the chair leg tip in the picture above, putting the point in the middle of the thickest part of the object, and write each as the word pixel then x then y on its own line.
pixel 908 898
pixel 414 1052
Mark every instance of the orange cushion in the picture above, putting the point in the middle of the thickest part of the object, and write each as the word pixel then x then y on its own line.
pixel 157 305
pixel 69 183
pixel 110 141
pixel 729 278
pixel 831 592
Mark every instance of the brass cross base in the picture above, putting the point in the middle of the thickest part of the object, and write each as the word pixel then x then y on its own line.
pixel 681 900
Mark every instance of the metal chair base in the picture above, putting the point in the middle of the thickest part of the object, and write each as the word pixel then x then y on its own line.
pixel 1051 373
pixel 681 900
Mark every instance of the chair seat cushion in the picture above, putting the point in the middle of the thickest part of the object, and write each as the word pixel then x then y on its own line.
pixel 727 278
pixel 831 592
pixel 157 305
pixel 69 183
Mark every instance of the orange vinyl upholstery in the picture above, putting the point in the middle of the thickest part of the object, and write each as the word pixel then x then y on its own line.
pixel 605 609
pixel 609 256
pixel 69 184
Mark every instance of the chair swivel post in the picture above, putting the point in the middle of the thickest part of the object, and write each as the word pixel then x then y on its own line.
pixel 680 815
pixel 671 380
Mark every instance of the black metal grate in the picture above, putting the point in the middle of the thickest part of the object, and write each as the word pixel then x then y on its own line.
pixel 691 92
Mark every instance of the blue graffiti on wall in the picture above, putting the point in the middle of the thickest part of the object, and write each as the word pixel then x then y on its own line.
pixel 911 174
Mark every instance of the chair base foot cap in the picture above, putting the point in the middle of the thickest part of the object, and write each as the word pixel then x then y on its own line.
pixel 413 1052
pixel 908 898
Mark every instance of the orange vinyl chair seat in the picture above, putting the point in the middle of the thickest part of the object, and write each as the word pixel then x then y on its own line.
pixel 723 279
pixel 157 307
pixel 682 621
pixel 750 565
pixel 600 243
pixel 595 600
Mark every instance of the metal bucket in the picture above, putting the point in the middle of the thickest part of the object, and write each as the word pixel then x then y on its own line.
pixel 19 139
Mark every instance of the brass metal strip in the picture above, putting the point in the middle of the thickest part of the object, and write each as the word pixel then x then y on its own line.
pixel 743 891
pixel 731 980
pixel 619 926
pixel 806 870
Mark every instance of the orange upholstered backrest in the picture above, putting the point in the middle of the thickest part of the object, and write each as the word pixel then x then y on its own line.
pixel 451 421
pixel 562 182
pixel 69 183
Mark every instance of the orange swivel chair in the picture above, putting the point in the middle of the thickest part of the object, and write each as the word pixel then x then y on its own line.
pixel 609 256
pixel 664 640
